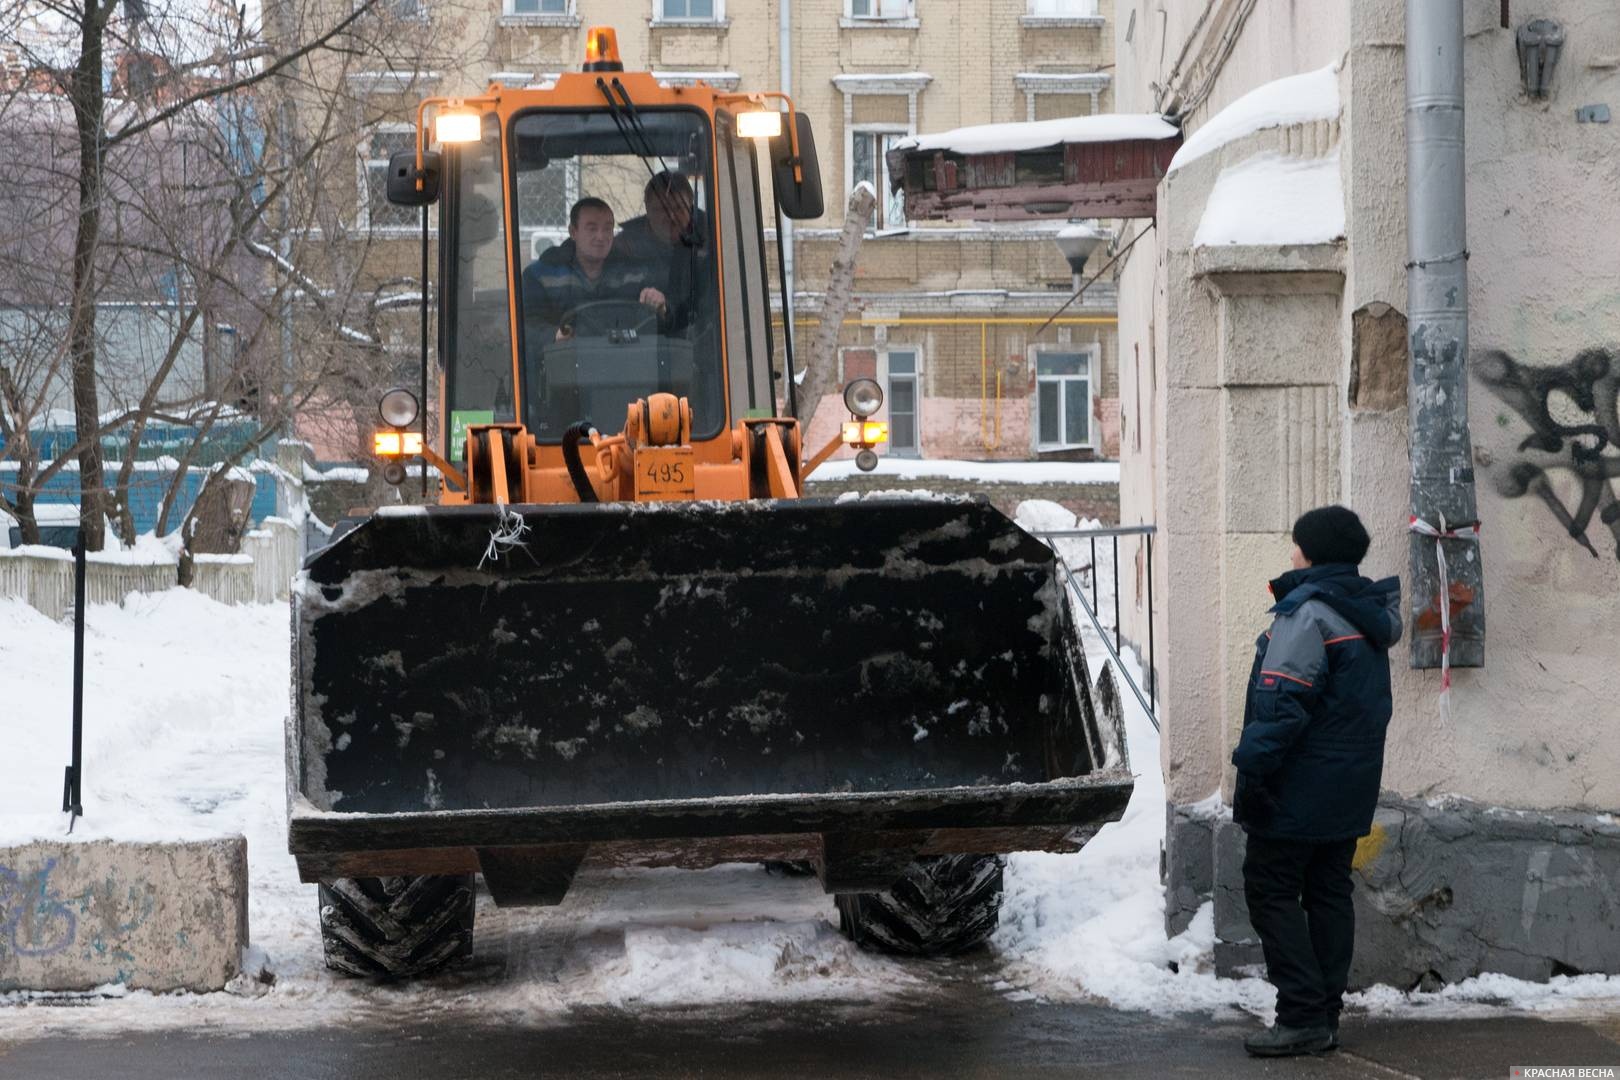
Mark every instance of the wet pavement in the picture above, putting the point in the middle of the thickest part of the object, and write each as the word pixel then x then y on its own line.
pixel 963 1029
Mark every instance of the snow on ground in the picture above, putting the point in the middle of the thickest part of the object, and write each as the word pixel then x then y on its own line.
pixel 1297 99
pixel 1275 199
pixel 184 705
pixel 986 472
pixel 185 700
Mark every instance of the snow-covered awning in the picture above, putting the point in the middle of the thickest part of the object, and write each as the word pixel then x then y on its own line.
pixel 1106 165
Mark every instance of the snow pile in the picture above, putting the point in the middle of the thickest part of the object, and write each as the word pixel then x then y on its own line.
pixel 985 472
pixel 185 701
pixel 1091 924
pixel 1297 99
pixel 1038 134
pixel 1275 199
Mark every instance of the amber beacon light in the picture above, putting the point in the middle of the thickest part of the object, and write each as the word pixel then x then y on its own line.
pixel 602 50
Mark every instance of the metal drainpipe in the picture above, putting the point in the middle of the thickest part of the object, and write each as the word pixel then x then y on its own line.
pixel 1442 484
pixel 785 236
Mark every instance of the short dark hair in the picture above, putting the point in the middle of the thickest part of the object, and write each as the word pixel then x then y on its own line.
pixel 589 202
pixel 668 182
pixel 1331 534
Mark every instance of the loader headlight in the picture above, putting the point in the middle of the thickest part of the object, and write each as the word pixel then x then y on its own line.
pixel 399 408
pixel 863 397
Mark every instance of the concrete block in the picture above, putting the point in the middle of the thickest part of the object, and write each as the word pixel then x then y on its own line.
pixel 1189 867
pixel 1231 908
pixel 1459 888
pixel 154 916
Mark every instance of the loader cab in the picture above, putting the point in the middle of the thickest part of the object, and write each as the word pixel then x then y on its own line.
pixel 624 301
pixel 602 241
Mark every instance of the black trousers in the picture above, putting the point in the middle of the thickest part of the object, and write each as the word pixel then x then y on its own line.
pixel 1299 903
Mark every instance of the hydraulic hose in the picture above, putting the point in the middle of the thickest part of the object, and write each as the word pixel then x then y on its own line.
pixel 576 466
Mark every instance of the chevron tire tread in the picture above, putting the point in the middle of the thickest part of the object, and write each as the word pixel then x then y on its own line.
pixel 942 906
pixel 397 927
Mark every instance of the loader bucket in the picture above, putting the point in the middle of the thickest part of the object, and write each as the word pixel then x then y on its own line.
pixel 688 683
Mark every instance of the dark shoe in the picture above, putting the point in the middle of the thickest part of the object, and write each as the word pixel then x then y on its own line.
pixel 1280 1040
pixel 1333 1029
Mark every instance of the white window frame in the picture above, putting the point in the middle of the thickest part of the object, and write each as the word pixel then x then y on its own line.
pixel 916 377
pixel 390 9
pixel 877 129
pixel 1094 12
pixel 1093 356
pixel 907 84
pixel 509 9
pixel 1092 18
pixel 1035 83
pixel 660 15
pixel 907 12
pixel 363 163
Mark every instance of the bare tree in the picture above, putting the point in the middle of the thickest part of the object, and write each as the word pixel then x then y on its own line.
pixel 103 107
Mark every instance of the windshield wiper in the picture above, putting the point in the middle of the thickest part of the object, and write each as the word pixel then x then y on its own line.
pixel 633 119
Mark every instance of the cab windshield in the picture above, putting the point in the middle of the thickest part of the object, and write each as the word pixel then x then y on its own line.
pixel 617 289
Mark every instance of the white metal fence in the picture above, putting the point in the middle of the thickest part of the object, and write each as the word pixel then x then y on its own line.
pixel 261 574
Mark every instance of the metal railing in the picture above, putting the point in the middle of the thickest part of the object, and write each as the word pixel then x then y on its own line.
pixel 1111 533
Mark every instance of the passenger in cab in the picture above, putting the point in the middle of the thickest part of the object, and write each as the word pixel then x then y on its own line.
pixel 584 269
pixel 669 243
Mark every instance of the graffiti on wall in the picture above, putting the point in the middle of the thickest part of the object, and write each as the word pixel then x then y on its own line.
pixel 34 921
pixel 1573 412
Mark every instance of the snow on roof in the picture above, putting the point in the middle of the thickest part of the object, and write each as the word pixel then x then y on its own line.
pixel 1036 134
pixel 1296 99
pixel 1275 199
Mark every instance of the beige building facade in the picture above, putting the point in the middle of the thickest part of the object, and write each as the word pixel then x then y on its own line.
pixel 946 317
pixel 1266 373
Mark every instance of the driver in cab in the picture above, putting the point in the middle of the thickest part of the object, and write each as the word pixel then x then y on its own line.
pixel 584 270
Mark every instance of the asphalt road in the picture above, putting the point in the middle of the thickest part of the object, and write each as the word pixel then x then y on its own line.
pixel 965 1030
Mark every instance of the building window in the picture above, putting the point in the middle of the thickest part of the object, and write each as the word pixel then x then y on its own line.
pixel 539 7
pixel 692 10
pixel 405 9
pixel 1063 399
pixel 880 9
pixel 1063 9
pixel 543 198
pixel 903 401
pixel 868 162
pixel 375 209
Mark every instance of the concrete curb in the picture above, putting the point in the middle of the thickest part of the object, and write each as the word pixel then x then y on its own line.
pixel 168 915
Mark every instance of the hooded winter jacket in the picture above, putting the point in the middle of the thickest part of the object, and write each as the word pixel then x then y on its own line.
pixel 1311 756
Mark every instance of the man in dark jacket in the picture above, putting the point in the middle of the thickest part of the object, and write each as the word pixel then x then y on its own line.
pixel 669 243
pixel 1310 762
pixel 581 271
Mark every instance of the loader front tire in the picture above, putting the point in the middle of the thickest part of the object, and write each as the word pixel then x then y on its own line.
pixel 396 927
pixel 943 905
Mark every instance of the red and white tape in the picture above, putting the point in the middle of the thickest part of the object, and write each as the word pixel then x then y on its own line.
pixel 1467 532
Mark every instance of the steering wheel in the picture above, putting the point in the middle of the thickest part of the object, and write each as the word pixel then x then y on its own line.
pixel 599 316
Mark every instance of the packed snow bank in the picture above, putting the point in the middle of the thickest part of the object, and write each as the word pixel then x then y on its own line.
pixel 1297 99
pixel 1275 199
pixel 1038 134
pixel 987 472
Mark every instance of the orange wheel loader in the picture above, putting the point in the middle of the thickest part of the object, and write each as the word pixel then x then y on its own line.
pixel 623 635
